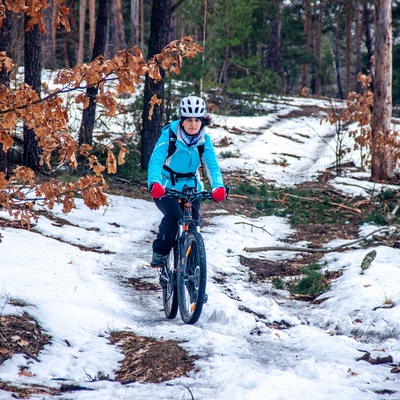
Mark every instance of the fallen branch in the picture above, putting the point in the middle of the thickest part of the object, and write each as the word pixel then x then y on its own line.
pixel 352 209
pixel 375 361
pixel 311 250
pixel 253 226
pixel 238 196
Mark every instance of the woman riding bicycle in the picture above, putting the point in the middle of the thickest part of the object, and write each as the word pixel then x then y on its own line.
pixel 182 147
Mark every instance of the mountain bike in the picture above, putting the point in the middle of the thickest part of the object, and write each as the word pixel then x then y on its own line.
pixel 183 279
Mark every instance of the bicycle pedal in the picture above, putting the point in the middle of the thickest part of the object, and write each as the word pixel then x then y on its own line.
pixel 164 278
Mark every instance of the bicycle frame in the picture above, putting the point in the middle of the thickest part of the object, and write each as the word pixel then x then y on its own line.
pixel 184 279
pixel 188 196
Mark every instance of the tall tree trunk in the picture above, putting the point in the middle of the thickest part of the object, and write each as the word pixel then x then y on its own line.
pixel 307 33
pixel 357 42
pixel 116 30
pixel 88 117
pixel 70 40
pixel 5 45
pixel 92 20
pixel 318 42
pixel 121 42
pixel 33 69
pixel 159 38
pixel 142 30
pixel 82 20
pixel 368 38
pixel 48 42
pixel 382 165
pixel 272 52
pixel 348 18
pixel 338 36
pixel 134 40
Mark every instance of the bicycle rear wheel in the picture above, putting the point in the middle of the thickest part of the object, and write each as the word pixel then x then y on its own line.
pixel 192 277
pixel 168 284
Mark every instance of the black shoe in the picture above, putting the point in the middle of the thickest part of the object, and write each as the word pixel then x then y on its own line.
pixel 159 260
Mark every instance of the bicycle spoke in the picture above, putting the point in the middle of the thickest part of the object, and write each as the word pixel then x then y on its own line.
pixel 192 278
pixel 168 284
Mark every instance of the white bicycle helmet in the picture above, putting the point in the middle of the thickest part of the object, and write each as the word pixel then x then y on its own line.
pixel 192 107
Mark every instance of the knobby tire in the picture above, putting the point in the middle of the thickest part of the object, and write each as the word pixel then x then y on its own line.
pixel 170 295
pixel 192 277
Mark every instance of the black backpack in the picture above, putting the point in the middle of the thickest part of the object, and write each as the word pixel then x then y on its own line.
pixel 172 142
pixel 171 150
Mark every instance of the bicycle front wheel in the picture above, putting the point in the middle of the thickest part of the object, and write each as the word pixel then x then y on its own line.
pixel 191 278
pixel 168 284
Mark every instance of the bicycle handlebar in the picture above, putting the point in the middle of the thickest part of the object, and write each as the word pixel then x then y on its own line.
pixel 188 193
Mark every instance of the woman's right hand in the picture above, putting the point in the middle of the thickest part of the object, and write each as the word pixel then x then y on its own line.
pixel 218 194
pixel 157 191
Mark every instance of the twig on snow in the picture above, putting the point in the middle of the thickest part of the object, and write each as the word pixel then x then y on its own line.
pixel 253 226
pixel 311 250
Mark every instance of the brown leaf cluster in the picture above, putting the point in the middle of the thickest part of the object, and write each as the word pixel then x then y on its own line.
pixel 170 58
pixel 359 109
pixel 48 118
pixel 34 10
pixel 153 102
pixel 20 194
pixel 6 63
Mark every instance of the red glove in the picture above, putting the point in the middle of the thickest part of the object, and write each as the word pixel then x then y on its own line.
pixel 218 194
pixel 157 191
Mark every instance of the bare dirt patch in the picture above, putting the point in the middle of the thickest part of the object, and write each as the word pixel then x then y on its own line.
pixel 21 334
pixel 313 235
pixel 148 360
pixel 26 391
pixel 142 285
pixel 264 269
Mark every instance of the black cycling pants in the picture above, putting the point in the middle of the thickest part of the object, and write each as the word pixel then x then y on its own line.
pixel 168 228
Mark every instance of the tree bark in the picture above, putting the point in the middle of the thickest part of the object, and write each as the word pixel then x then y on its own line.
pixel 70 40
pixel 33 69
pixel 92 21
pixel 159 38
pixel 116 30
pixel 5 45
pixel 121 42
pixel 382 165
pixel 307 24
pixel 141 23
pixel 337 50
pixel 348 17
pixel 134 40
pixel 49 43
pixel 318 44
pixel 357 42
pixel 368 38
pixel 272 52
pixel 88 117
pixel 82 20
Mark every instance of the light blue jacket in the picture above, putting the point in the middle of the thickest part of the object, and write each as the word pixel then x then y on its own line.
pixel 185 159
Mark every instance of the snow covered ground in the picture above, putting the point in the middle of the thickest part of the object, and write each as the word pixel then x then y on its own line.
pixel 78 296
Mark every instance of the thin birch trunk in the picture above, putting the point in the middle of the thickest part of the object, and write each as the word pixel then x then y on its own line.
pixel 82 19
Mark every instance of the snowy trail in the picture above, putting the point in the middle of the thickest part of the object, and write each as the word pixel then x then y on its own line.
pixel 229 341
pixel 80 296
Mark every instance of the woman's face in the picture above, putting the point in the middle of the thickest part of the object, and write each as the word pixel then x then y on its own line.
pixel 191 125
